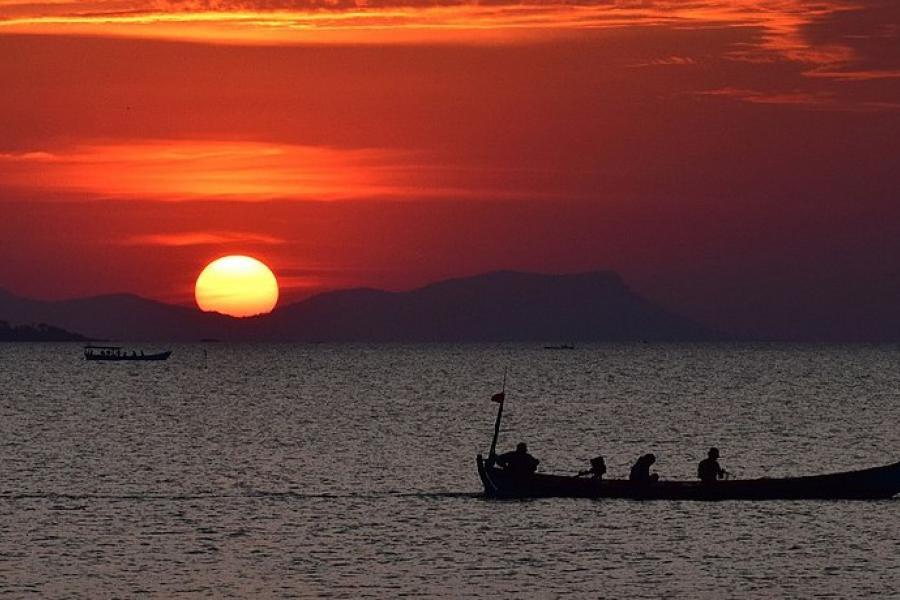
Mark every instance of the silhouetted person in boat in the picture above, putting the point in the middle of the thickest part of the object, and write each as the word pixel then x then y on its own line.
pixel 640 472
pixel 597 470
pixel 518 462
pixel 709 469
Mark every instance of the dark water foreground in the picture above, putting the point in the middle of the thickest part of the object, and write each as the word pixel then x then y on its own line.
pixel 348 471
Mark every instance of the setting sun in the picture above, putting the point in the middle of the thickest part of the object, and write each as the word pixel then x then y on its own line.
pixel 238 286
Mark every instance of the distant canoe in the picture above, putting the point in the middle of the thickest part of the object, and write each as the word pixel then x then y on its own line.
pixel 560 347
pixel 867 484
pixel 116 353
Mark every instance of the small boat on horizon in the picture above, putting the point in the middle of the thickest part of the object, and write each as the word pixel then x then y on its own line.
pixel 116 353
pixel 866 484
pixel 560 347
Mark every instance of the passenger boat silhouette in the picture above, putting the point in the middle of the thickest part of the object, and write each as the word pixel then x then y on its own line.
pixel 115 353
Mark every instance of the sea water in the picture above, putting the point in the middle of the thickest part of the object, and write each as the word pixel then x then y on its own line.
pixel 323 470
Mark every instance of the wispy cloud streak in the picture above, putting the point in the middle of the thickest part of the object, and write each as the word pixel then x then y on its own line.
pixel 184 170
pixel 360 22
pixel 821 100
pixel 191 169
pixel 775 31
pixel 199 238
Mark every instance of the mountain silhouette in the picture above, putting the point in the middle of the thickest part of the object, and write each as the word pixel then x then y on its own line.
pixel 117 317
pixel 37 332
pixel 499 306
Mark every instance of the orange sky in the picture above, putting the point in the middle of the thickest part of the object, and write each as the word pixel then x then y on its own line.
pixel 733 160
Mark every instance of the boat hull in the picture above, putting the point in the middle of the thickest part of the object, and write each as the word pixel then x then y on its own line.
pixel 869 484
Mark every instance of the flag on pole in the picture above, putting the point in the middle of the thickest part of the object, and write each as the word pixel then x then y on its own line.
pixel 498 397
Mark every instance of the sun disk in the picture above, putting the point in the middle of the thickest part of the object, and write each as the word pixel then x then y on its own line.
pixel 238 286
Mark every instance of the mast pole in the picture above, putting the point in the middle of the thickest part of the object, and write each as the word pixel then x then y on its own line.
pixel 492 455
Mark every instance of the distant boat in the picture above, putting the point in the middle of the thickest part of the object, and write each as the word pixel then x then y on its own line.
pixel 118 353
pixel 867 484
pixel 560 347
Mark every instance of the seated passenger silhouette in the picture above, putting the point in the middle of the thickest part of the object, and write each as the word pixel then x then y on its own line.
pixel 518 462
pixel 597 470
pixel 709 470
pixel 640 472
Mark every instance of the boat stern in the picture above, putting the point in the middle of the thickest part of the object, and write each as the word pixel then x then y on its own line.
pixel 490 488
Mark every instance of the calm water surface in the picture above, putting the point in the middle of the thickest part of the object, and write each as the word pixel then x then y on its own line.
pixel 348 471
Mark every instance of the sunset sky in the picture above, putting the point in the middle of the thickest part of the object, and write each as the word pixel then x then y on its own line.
pixel 735 161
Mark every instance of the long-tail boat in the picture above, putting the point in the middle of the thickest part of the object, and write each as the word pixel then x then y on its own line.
pixel 117 353
pixel 867 484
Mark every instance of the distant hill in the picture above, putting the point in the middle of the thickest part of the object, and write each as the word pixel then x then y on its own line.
pixel 500 306
pixel 39 332
pixel 118 317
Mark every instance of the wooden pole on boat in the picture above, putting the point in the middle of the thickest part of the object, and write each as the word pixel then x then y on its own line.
pixel 492 455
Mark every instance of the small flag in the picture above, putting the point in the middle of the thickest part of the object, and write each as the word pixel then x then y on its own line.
pixel 498 397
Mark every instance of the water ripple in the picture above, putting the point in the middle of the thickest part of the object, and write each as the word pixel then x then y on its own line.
pixel 280 471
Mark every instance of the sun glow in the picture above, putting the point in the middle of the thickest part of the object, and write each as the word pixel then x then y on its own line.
pixel 238 286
